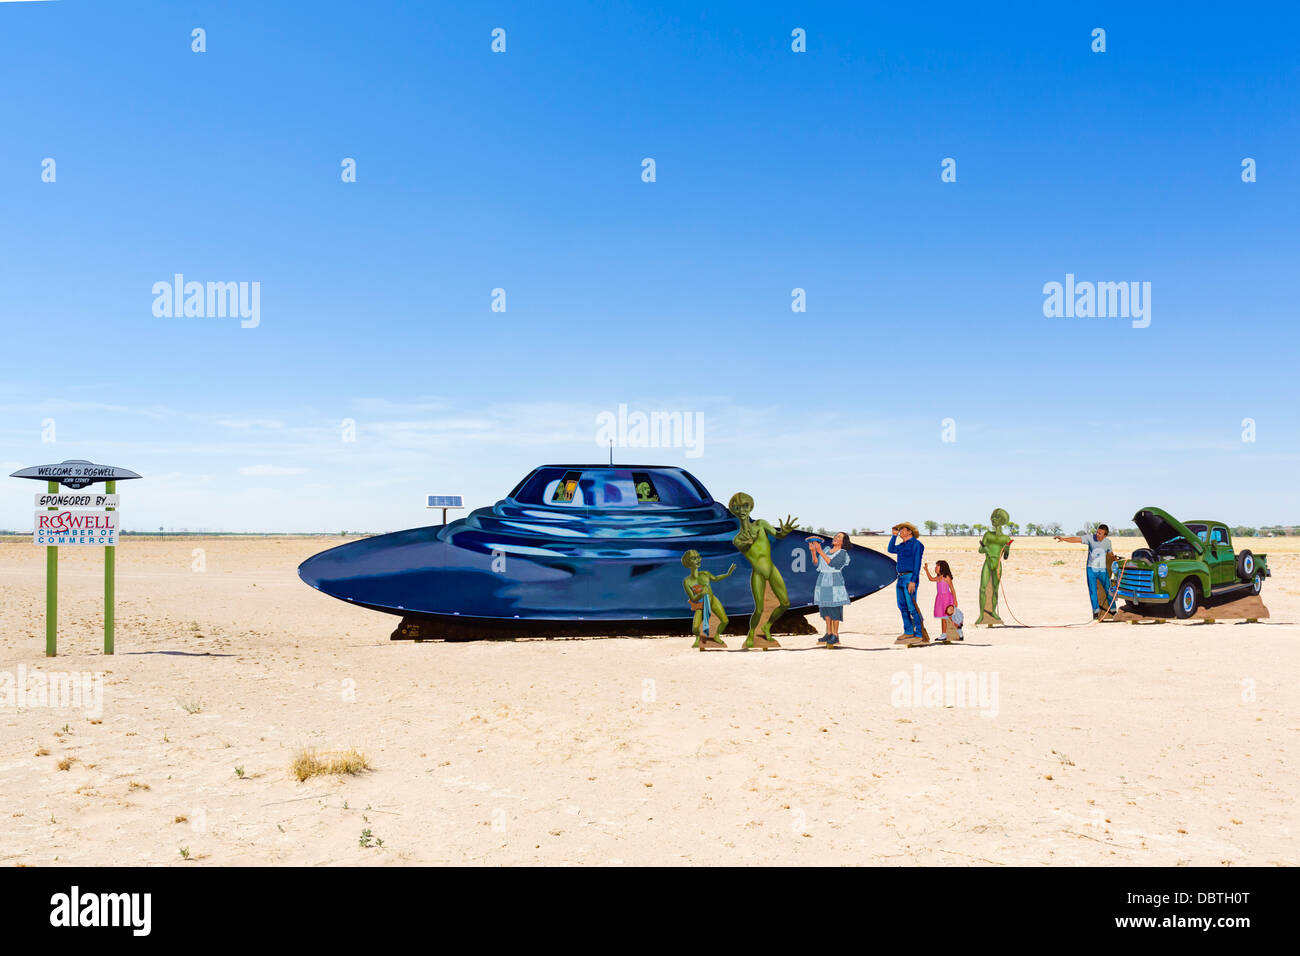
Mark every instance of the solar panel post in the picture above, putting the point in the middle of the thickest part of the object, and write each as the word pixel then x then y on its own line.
pixel 445 502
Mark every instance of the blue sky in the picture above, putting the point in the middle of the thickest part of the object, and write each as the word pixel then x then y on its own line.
pixel 775 170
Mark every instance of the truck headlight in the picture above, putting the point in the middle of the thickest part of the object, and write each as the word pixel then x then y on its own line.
pixel 1114 567
pixel 1163 570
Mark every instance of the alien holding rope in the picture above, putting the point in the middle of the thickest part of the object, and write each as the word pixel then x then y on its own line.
pixel 995 546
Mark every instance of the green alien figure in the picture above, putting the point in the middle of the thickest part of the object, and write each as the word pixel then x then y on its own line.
pixel 699 591
pixel 752 542
pixel 996 547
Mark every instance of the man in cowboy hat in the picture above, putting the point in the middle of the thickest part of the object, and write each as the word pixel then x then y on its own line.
pixel 906 544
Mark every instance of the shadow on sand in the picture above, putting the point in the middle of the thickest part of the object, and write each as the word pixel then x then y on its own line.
pixel 179 653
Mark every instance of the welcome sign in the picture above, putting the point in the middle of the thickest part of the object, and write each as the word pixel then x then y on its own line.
pixel 65 527
pixel 75 473
pixel 76 518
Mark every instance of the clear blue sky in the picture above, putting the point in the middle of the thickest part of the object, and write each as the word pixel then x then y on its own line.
pixel 775 170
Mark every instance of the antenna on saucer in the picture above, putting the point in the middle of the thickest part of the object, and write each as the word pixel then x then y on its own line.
pixel 611 451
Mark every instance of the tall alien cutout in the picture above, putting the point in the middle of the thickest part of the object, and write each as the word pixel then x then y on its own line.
pixel 752 542
pixel 995 546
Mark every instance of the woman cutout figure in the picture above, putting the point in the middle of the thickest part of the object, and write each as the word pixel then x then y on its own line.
pixel 830 594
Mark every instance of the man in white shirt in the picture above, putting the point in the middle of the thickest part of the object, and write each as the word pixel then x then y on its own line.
pixel 1099 558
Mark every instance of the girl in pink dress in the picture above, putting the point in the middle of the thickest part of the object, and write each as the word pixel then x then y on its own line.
pixel 945 599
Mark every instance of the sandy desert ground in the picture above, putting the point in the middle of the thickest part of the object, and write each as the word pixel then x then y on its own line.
pixel 1111 744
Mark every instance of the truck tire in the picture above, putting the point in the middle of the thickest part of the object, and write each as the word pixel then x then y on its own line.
pixel 1186 600
pixel 1257 583
pixel 1245 566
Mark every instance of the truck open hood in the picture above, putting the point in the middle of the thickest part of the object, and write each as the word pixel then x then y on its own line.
pixel 1160 526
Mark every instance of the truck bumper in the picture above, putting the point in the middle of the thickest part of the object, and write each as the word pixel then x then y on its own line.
pixel 1143 597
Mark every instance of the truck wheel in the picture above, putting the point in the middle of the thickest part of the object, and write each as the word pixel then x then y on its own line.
pixel 1245 566
pixel 1185 603
pixel 1257 583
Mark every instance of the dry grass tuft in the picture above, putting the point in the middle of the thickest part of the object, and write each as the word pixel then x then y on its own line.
pixel 312 763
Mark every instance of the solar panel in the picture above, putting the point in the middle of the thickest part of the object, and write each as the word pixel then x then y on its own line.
pixel 446 501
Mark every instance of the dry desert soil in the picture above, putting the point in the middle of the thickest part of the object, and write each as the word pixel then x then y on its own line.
pixel 1107 744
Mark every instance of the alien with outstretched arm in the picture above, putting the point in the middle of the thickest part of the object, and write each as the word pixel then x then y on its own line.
pixel 699 593
pixel 753 543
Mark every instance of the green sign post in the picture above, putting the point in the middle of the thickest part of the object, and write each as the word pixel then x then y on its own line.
pixel 52 590
pixel 110 559
pixel 76 519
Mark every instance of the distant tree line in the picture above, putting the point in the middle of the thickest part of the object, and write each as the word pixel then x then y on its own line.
pixel 1051 528
pixel 1241 531
pixel 954 528
pixel 1031 530
pixel 1013 528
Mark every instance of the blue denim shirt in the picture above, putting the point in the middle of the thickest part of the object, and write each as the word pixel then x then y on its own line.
pixel 909 554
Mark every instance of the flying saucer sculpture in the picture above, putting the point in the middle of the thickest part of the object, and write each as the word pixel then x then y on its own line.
pixel 572 543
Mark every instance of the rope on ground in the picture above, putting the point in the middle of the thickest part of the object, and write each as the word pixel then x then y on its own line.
pixel 1111 608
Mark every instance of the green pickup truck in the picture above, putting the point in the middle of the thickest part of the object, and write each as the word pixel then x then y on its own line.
pixel 1185 564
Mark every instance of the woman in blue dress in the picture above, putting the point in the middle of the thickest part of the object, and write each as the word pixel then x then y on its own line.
pixel 830 593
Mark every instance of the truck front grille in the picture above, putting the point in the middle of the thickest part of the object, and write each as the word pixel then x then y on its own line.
pixel 1139 580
